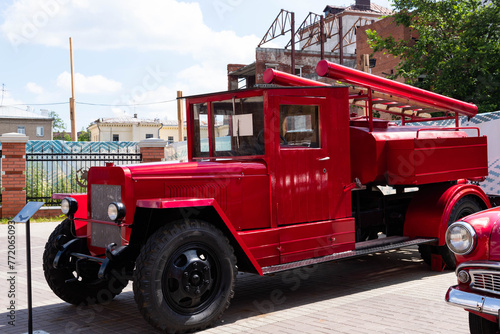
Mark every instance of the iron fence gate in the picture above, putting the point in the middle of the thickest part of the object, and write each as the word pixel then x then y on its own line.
pixel 61 167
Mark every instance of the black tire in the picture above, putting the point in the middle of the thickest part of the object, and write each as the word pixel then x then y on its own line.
pixel 184 276
pixel 425 253
pixel 464 207
pixel 89 289
pixel 479 325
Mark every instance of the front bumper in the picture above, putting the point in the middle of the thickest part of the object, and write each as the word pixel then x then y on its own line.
pixel 472 301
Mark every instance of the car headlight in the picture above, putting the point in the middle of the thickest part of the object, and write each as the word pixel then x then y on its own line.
pixel 461 238
pixel 69 206
pixel 116 211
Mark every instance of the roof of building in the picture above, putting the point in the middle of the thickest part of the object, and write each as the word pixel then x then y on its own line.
pixel 13 112
pixel 374 9
pixel 171 122
pixel 127 121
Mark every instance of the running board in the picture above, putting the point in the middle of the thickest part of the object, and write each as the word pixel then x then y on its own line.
pixel 360 250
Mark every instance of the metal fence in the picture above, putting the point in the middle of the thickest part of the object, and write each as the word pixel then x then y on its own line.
pixel 62 167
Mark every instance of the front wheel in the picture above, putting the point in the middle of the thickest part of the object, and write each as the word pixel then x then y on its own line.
pixel 77 283
pixel 185 276
pixel 479 325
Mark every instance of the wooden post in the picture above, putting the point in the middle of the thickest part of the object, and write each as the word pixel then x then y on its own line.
pixel 365 58
pixel 341 41
pixel 180 116
pixel 322 36
pixel 72 99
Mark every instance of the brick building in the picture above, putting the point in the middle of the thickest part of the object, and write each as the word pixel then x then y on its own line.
pixel 35 126
pixel 385 64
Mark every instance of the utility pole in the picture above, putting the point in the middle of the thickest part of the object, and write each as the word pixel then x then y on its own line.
pixel 72 99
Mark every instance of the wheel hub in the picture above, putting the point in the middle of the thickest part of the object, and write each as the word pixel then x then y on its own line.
pixel 196 277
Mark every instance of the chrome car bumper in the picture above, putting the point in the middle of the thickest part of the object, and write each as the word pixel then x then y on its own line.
pixel 472 301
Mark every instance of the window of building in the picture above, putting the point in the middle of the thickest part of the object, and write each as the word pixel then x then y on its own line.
pixel 185 138
pixel 21 129
pixel 298 71
pixel 116 137
pixel 273 66
pixel 170 139
pixel 149 135
pixel 39 131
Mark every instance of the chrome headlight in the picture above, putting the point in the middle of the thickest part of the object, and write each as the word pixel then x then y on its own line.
pixel 461 238
pixel 116 211
pixel 69 206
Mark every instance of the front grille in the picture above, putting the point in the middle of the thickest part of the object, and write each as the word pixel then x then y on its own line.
pixel 101 196
pixel 488 281
pixel 102 235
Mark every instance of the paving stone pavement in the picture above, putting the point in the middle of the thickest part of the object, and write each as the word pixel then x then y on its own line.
pixel 392 292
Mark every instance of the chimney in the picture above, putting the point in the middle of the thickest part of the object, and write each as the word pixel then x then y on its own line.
pixel 363 4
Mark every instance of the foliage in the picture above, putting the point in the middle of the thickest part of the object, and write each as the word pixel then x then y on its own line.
pixel 57 123
pixel 84 135
pixel 45 180
pixel 58 218
pixel 61 136
pixel 456 50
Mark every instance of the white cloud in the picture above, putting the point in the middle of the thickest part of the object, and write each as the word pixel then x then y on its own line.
pixel 34 88
pixel 94 84
pixel 115 24
pixel 6 99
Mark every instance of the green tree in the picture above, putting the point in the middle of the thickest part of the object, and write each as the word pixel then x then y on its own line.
pixel 61 136
pixel 456 51
pixel 57 122
pixel 84 135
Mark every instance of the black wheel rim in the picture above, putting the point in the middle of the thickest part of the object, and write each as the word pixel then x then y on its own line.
pixel 191 279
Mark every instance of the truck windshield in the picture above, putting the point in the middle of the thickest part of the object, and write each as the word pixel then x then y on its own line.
pixel 232 127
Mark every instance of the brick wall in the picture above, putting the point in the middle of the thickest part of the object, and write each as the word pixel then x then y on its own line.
pixel 152 149
pixel 306 60
pixel 13 173
pixel 386 64
pixel 9 125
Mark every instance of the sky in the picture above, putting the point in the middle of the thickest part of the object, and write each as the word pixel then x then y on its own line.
pixel 130 57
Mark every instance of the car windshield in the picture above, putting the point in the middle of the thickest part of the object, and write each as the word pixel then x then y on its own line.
pixel 233 127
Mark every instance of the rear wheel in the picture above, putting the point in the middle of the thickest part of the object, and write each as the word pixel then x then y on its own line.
pixel 479 325
pixel 184 277
pixel 464 207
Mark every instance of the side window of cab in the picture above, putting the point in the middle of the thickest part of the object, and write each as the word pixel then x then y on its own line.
pixel 299 126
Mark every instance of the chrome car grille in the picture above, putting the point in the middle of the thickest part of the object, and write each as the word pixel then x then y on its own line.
pixel 488 281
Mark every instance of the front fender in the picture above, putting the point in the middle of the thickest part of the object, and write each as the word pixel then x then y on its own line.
pixel 192 203
pixel 430 209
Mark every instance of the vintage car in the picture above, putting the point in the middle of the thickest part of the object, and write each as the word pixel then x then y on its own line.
pixel 475 240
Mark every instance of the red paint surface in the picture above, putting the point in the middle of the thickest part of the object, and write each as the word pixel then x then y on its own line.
pixel 291 203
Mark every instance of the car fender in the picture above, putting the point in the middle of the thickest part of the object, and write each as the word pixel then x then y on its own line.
pixel 430 209
pixel 186 203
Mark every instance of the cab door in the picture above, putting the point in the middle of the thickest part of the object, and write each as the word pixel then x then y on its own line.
pixel 304 159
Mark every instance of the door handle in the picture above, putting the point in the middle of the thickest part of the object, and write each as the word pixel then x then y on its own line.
pixel 324 159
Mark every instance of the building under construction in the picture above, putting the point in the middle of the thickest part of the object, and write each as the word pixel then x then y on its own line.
pixel 332 36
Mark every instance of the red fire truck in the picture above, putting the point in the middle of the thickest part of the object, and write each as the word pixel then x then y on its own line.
pixel 277 178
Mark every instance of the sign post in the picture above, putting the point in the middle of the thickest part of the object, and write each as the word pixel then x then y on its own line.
pixel 24 217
